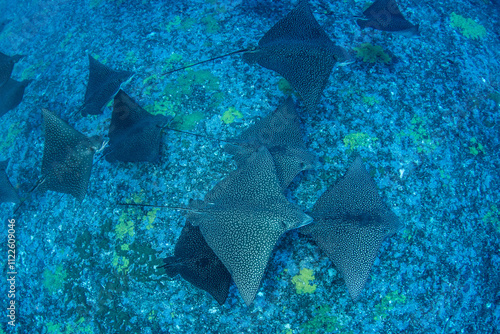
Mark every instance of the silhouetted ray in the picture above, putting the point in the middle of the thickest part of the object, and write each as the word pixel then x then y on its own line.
pixel 6 66
pixel 197 263
pixel 280 133
pixel 385 15
pixel 134 134
pixel 7 191
pixel 11 94
pixel 103 84
pixel 298 49
pixel 67 157
pixel 351 221
pixel 242 218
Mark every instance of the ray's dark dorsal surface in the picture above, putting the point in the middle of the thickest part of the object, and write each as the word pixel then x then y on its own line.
pixel 134 134
pixel 103 84
pixel 197 263
pixel 7 191
pixel 6 66
pixel 11 94
pixel 350 223
pixel 385 15
pixel 298 49
pixel 280 133
pixel 243 216
pixel 67 157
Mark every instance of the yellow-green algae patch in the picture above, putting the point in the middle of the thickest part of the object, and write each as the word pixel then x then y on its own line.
pixel 8 141
pixel 230 115
pixel 285 87
pixel 370 53
pixel 467 27
pixel 358 139
pixel 303 280
pixel 186 122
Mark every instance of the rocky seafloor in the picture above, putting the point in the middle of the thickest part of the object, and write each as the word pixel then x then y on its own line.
pixel 425 122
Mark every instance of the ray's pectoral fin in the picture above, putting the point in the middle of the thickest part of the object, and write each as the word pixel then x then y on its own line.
pixel 281 134
pixel 298 49
pixel 385 15
pixel 67 157
pixel 7 191
pixel 134 134
pixel 103 84
pixel 243 216
pixel 351 221
pixel 195 261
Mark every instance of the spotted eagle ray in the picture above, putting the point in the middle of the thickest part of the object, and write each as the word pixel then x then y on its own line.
pixel 280 133
pixel 134 134
pixel 67 157
pixel 197 263
pixel 6 66
pixel 351 221
pixel 103 84
pixel 7 191
pixel 11 94
pixel 243 216
pixel 299 50
pixel 385 15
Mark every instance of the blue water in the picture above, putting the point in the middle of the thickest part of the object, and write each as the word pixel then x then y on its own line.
pixel 426 125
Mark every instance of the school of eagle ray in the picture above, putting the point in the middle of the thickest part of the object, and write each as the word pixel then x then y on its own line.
pixel 229 235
